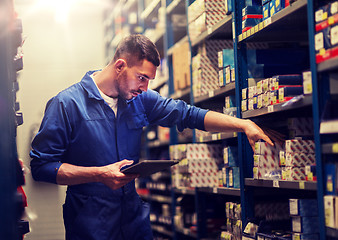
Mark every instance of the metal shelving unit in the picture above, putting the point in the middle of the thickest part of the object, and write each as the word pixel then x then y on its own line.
pixel 292 24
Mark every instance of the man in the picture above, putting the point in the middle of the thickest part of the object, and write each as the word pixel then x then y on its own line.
pixel 93 128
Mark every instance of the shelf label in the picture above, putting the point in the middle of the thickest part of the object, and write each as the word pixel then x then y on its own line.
pixel 219 136
pixel 240 37
pixel 244 35
pixel 275 183
pixel 201 138
pixel 209 30
pixel 301 185
pixel 184 190
pixel 267 22
pixel 252 30
pixel 270 108
pixel 256 28
pixel 235 134
pixel 214 137
pixel 260 26
pixel 335 148
pixel 211 94
pixel 214 190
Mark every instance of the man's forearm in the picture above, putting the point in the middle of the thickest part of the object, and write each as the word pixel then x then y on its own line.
pixel 218 122
pixel 69 174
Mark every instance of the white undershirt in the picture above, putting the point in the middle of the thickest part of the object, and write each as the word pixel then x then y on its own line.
pixel 112 102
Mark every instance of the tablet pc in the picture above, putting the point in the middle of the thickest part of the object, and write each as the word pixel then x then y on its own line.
pixel 148 167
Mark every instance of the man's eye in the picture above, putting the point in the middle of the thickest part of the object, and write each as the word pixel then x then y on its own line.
pixel 142 78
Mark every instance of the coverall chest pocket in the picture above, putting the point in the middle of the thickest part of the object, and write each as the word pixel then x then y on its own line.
pixel 135 124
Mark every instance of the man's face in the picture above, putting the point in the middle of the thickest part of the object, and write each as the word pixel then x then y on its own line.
pixel 134 80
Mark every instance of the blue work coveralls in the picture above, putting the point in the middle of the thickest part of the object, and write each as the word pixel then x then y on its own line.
pixel 80 128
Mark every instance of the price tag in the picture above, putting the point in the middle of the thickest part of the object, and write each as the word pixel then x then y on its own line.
pixel 209 30
pixel 214 190
pixel 335 148
pixel 211 94
pixel 296 237
pixel 244 35
pixel 256 28
pixel 201 138
pixel 240 37
pixel 270 108
pixel 184 190
pixel 235 134
pixel 252 31
pixel 260 26
pixel 275 183
pixel 301 185
pixel 219 136
pixel 267 22
pixel 214 137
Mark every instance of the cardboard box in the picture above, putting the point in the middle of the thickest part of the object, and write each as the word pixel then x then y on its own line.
pixel 329 209
pixel 307 82
pixel 305 224
pixel 230 154
pixel 296 145
pixel 296 159
pixel 293 173
pixel 225 58
pixel 303 236
pixel 263 148
pixel 181 67
pixel 266 161
pixel 286 93
pixel 303 207
pixel 289 79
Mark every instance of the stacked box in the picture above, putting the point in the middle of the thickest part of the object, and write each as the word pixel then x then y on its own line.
pixel 298 145
pixel 233 221
pixel 205 66
pixel 198 166
pixel 266 160
pixel 307 225
pixel 225 65
pixel 303 207
pixel 298 154
pixel 203 14
pixel 326 18
pixel 181 67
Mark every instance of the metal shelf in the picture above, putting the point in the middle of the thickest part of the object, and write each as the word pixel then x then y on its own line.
pixel 328 65
pixel 181 93
pixel 221 191
pixel 332 232
pixel 171 49
pixel 151 8
pixel 301 185
pixel 185 191
pixel 229 88
pixel 217 136
pixel 162 230
pixel 306 101
pixel 187 232
pixel 290 24
pixel 176 7
pixel 330 148
pixel 222 29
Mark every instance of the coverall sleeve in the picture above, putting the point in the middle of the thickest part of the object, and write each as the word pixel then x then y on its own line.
pixel 50 143
pixel 168 112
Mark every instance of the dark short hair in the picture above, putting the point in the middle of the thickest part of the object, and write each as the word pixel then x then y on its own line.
pixel 135 48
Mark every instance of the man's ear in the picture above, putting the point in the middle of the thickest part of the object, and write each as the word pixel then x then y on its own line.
pixel 120 64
